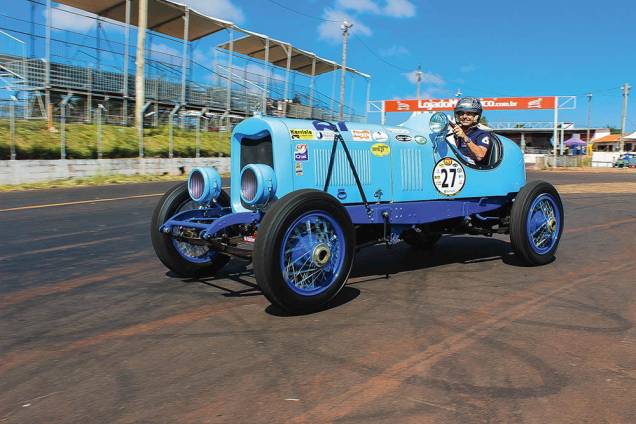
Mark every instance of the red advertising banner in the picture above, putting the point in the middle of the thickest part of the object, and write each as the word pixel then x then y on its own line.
pixel 489 103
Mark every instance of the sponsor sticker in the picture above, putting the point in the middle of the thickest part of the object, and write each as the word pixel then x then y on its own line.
pixel 380 149
pixel 403 137
pixel 361 135
pixel 380 136
pixel 299 169
pixel 399 130
pixel 301 152
pixel 326 135
pixel 301 134
pixel 449 176
pixel 420 139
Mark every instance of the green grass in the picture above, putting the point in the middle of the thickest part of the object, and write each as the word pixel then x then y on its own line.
pixel 34 141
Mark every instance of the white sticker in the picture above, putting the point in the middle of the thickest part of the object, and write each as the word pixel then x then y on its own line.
pixel 380 136
pixel 326 135
pixel 449 176
pixel 399 130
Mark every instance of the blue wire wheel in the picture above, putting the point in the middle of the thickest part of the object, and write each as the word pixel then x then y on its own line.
pixel 543 223
pixel 312 253
pixel 198 254
pixel 536 223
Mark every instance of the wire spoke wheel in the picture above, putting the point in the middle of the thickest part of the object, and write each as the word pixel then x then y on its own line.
pixel 536 223
pixel 543 223
pixel 193 252
pixel 304 249
pixel 184 258
pixel 312 253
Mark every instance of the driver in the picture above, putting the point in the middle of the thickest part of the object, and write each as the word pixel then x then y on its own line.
pixel 471 141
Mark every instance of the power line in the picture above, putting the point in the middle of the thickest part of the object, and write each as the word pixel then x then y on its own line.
pixel 301 13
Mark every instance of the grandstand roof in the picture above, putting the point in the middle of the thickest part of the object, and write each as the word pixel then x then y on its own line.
pixel 165 17
pixel 253 45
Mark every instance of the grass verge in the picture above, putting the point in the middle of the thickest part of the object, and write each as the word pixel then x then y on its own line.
pixel 35 141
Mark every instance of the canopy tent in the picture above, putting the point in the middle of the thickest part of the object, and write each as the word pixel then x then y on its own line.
pixel 575 141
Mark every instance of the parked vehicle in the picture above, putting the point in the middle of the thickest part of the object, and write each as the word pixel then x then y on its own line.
pixel 626 160
pixel 306 194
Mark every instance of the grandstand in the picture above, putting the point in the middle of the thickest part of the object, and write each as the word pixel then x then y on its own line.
pixel 95 72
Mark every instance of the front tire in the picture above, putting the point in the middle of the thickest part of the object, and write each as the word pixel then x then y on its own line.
pixel 184 259
pixel 536 223
pixel 303 252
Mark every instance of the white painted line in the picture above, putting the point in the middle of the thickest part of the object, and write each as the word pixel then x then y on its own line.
pixel 81 202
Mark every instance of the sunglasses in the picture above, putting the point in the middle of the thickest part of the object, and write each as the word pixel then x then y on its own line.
pixel 466 113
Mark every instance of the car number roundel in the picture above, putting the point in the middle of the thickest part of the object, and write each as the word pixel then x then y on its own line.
pixel 449 176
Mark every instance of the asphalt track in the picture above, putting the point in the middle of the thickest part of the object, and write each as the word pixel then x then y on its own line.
pixel 94 330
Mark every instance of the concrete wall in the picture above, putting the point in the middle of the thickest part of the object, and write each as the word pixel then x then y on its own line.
pixel 604 159
pixel 29 171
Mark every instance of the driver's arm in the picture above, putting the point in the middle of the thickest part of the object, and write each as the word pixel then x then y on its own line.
pixel 478 148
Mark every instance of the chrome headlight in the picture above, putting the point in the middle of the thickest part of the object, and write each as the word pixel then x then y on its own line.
pixel 438 122
pixel 258 184
pixel 204 184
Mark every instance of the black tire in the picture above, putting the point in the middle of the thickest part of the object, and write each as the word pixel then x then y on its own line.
pixel 167 207
pixel 269 239
pixel 519 237
pixel 420 239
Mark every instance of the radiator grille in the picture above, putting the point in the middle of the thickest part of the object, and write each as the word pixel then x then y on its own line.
pixel 411 170
pixel 342 175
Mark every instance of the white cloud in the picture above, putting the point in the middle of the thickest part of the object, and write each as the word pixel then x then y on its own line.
pixel 427 78
pixel 69 18
pixel 394 50
pixel 399 9
pixel 331 31
pixel 360 6
pixel 222 9
pixel 392 8
pixel 165 49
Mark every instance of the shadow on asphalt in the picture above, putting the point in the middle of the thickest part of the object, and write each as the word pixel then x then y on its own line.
pixel 346 295
pixel 380 261
pixel 372 264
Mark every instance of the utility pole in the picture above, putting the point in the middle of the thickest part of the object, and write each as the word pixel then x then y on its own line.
pixel 140 97
pixel 589 114
pixel 418 78
pixel 345 31
pixel 626 87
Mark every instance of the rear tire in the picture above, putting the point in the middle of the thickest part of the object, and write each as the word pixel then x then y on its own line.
pixel 304 250
pixel 536 223
pixel 176 256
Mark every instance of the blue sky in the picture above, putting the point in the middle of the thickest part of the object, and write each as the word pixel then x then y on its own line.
pixel 489 48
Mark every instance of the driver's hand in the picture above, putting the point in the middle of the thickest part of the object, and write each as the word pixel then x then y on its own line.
pixel 459 133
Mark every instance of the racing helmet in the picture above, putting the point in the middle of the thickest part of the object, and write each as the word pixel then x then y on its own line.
pixel 469 104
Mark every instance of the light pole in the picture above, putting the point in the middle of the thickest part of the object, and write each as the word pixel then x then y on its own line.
pixel 589 114
pixel 345 30
pixel 626 87
pixel 418 78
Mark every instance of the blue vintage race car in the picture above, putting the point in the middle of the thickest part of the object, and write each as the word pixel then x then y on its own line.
pixel 306 194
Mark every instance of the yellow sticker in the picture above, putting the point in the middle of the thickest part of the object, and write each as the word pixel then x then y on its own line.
pixel 301 134
pixel 380 149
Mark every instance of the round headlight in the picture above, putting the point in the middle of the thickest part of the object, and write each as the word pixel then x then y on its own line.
pixel 438 122
pixel 204 184
pixel 258 184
